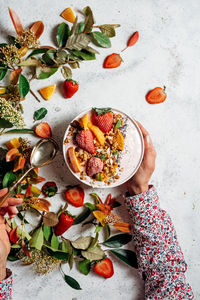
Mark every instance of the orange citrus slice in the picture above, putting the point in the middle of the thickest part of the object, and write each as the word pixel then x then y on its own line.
pixel 68 15
pixel 48 91
pixel 84 121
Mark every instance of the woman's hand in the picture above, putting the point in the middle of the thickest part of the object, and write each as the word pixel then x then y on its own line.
pixel 140 181
pixel 8 207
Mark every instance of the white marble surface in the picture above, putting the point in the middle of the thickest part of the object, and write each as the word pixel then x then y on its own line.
pixel 168 53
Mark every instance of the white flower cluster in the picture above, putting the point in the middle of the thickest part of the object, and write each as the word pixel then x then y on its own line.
pixel 9 113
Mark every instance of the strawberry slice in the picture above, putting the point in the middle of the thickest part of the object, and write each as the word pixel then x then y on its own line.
pixel 85 141
pixel 94 166
pixel 104 268
pixel 157 95
pixel 75 196
pixel 103 118
pixel 43 130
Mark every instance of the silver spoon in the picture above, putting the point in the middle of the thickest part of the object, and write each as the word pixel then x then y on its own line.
pixel 42 154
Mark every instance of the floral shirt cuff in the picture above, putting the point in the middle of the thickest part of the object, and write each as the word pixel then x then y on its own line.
pixel 6 286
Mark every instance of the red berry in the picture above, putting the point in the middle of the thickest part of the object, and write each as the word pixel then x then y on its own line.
pixel 157 95
pixel 112 61
pixel 104 268
pixel 94 166
pixel 85 141
pixel 70 87
pixel 103 118
pixel 65 222
pixel 43 130
pixel 75 196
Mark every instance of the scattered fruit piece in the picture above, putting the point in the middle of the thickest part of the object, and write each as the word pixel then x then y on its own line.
pixel 112 61
pixel 65 222
pixel 132 40
pixel 14 143
pixel 94 166
pixel 84 121
pixel 43 130
pixel 68 15
pixel 97 132
pixel 2 90
pixel 103 118
pixel 157 95
pixel 104 268
pixel 11 154
pixel 48 91
pixel 19 163
pixel 75 196
pixel 49 189
pixel 119 140
pixel 74 163
pixel 70 87
pixel 85 141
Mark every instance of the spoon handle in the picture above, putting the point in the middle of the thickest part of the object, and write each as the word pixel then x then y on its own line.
pixel 7 195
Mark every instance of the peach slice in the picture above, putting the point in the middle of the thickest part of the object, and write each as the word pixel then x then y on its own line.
pixel 84 121
pixel 74 163
pixel 68 15
pixel 48 91
pixel 97 132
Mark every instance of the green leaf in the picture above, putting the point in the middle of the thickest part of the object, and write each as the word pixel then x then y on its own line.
pixel 94 242
pixel 61 57
pixel 47 232
pixel 78 41
pixel 118 124
pixel 98 177
pixel 45 72
pixel 37 51
pixel 96 198
pixel 108 30
pixel 5 124
pixel 90 49
pixel 98 228
pixel 94 254
pixel 3 45
pixel 21 217
pixel 118 240
pixel 66 72
pixel 30 62
pixel 83 216
pixel 54 242
pixel 82 243
pixel 89 20
pixel 107 231
pixel 49 57
pixel 91 206
pixel 116 204
pixel 127 256
pixel 37 239
pixel 84 266
pixel 8 179
pixel 84 54
pixel 24 130
pixel 2 73
pixel 58 254
pixel 23 86
pixel 40 113
pixel 102 111
pixel 81 26
pixel 68 246
pixel 101 39
pixel 62 34
pixel 72 282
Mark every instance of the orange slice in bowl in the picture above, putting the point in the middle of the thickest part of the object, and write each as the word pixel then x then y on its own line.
pixel 75 165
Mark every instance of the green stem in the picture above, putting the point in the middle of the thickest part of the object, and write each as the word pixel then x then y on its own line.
pixel 1 132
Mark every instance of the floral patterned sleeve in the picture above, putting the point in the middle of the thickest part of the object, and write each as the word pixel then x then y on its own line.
pixel 160 259
pixel 6 286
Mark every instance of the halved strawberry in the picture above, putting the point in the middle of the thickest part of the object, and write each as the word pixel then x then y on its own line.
pixel 94 166
pixel 75 196
pixel 103 118
pixel 157 95
pixel 104 268
pixel 85 141
pixel 43 130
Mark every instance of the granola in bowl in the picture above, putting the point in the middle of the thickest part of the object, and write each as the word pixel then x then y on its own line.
pixel 97 147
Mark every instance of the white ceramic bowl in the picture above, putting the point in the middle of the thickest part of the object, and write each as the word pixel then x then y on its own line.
pixel 130 158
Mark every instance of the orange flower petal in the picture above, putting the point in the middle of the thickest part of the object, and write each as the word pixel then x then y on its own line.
pixel 14 76
pixel 19 164
pixel 100 216
pixel 40 204
pixel 11 154
pixel 125 227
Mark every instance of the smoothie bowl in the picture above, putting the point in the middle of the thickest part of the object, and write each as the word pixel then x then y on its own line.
pixel 103 147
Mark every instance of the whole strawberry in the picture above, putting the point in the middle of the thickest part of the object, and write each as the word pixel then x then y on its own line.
pixel 85 141
pixel 70 87
pixel 103 118
pixel 65 222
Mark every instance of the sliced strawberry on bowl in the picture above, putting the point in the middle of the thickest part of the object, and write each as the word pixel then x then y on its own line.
pixel 94 166
pixel 85 141
pixel 75 195
pixel 157 95
pixel 102 118
pixel 104 268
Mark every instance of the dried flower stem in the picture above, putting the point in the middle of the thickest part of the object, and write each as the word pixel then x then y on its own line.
pixel 35 96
